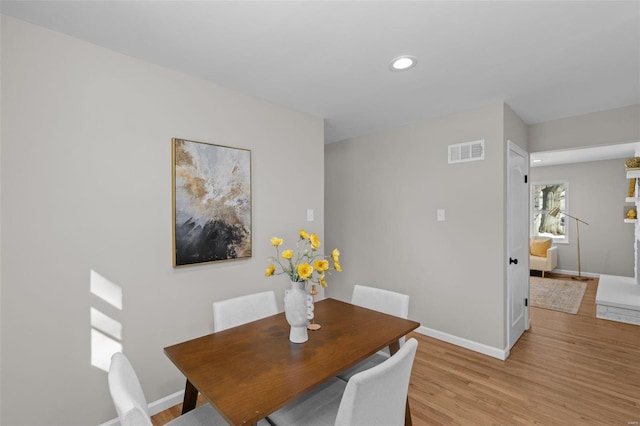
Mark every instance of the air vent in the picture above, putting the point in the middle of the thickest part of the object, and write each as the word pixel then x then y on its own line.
pixel 468 151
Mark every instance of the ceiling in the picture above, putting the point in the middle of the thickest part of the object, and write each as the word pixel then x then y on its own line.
pixel 547 60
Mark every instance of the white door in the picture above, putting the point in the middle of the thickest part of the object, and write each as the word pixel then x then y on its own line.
pixel 517 242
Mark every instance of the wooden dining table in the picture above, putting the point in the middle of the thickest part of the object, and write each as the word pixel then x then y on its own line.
pixel 250 371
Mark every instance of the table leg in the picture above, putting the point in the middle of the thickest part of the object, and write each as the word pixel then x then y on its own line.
pixel 190 397
pixel 393 348
pixel 407 415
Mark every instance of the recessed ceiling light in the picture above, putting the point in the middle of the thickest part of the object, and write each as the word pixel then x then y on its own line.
pixel 403 63
pixel 537 161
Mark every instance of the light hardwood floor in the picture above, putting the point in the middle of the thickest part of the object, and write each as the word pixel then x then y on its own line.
pixel 566 370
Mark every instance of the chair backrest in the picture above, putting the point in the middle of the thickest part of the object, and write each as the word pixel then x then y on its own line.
pixel 378 396
pixel 127 393
pixel 385 301
pixel 240 310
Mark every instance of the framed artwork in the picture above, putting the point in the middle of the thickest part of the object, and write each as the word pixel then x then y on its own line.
pixel 544 197
pixel 211 195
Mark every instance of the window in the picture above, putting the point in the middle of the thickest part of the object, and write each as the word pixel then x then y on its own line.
pixel 546 196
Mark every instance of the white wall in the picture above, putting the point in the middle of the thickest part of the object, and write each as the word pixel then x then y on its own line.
pixel 614 126
pixel 597 192
pixel 515 130
pixel 381 196
pixel 86 185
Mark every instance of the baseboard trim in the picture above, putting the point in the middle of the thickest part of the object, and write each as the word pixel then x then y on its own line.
pixel 155 407
pixel 584 274
pixel 501 354
pixel 167 402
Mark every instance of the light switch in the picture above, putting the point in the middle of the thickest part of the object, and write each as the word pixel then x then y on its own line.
pixel 309 215
pixel 440 215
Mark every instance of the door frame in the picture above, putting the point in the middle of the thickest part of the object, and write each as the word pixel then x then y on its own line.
pixel 526 210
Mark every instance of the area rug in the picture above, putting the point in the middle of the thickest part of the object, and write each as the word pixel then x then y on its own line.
pixel 556 295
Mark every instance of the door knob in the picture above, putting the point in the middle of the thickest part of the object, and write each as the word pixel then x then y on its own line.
pixel 513 261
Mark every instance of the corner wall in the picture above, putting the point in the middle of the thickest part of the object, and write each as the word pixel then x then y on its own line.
pixel 86 186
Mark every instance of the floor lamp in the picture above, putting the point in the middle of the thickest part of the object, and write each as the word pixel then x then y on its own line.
pixel 554 212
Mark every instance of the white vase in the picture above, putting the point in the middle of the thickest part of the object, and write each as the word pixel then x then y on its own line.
pixel 298 309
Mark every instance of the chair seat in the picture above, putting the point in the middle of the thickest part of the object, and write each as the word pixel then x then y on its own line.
pixel 204 415
pixel 131 405
pixel 540 263
pixel 375 397
pixel 368 363
pixel 199 416
pixel 318 407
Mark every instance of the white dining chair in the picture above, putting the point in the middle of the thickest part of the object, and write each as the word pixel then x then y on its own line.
pixel 243 309
pixel 377 396
pixel 131 403
pixel 385 301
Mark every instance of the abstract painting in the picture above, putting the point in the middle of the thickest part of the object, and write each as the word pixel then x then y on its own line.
pixel 211 202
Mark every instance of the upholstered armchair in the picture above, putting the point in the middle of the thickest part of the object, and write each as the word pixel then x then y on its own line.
pixel 542 255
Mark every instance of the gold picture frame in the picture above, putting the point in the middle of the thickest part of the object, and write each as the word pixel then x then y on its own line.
pixel 211 202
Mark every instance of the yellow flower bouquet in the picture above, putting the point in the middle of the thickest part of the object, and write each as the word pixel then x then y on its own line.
pixel 305 265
